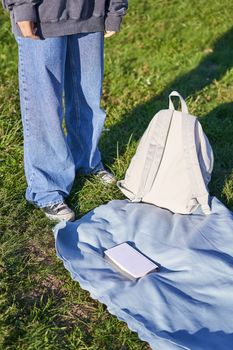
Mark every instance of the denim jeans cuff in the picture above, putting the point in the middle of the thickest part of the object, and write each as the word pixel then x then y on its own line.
pixel 47 204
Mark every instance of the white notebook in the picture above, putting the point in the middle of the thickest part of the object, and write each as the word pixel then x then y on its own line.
pixel 130 261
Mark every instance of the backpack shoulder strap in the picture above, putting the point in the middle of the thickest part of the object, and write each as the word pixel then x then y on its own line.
pixel 160 127
pixel 199 190
pixel 157 141
pixel 189 124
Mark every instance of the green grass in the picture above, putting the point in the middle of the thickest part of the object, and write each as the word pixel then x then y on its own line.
pixel 163 45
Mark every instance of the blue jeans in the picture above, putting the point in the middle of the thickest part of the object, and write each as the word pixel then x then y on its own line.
pixel 60 77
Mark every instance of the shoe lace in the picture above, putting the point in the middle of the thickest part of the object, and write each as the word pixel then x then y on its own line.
pixel 58 206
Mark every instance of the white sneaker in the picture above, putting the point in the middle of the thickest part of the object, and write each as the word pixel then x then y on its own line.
pixel 105 177
pixel 59 212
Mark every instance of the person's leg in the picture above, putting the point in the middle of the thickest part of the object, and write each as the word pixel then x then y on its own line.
pixel 83 89
pixel 49 166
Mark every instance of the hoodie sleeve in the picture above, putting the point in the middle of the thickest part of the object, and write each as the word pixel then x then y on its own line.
pixel 24 10
pixel 115 11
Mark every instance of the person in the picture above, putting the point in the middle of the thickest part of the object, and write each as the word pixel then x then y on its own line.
pixel 60 72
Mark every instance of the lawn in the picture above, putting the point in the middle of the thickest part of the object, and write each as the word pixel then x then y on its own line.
pixel 164 45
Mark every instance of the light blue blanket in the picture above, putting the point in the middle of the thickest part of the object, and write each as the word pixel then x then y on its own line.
pixel 188 304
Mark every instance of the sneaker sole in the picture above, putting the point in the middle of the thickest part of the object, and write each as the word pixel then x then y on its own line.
pixel 110 182
pixel 60 218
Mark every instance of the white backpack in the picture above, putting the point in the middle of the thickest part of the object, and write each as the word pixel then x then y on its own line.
pixel 173 163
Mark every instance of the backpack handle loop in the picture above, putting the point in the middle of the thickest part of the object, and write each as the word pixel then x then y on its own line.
pixel 184 107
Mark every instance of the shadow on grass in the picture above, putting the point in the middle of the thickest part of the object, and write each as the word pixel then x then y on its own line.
pixel 212 67
pixel 219 124
pixel 39 303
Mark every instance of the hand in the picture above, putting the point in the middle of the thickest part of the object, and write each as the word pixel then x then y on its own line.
pixel 27 29
pixel 109 33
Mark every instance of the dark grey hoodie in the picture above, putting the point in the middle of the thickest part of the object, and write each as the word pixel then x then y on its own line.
pixel 64 17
